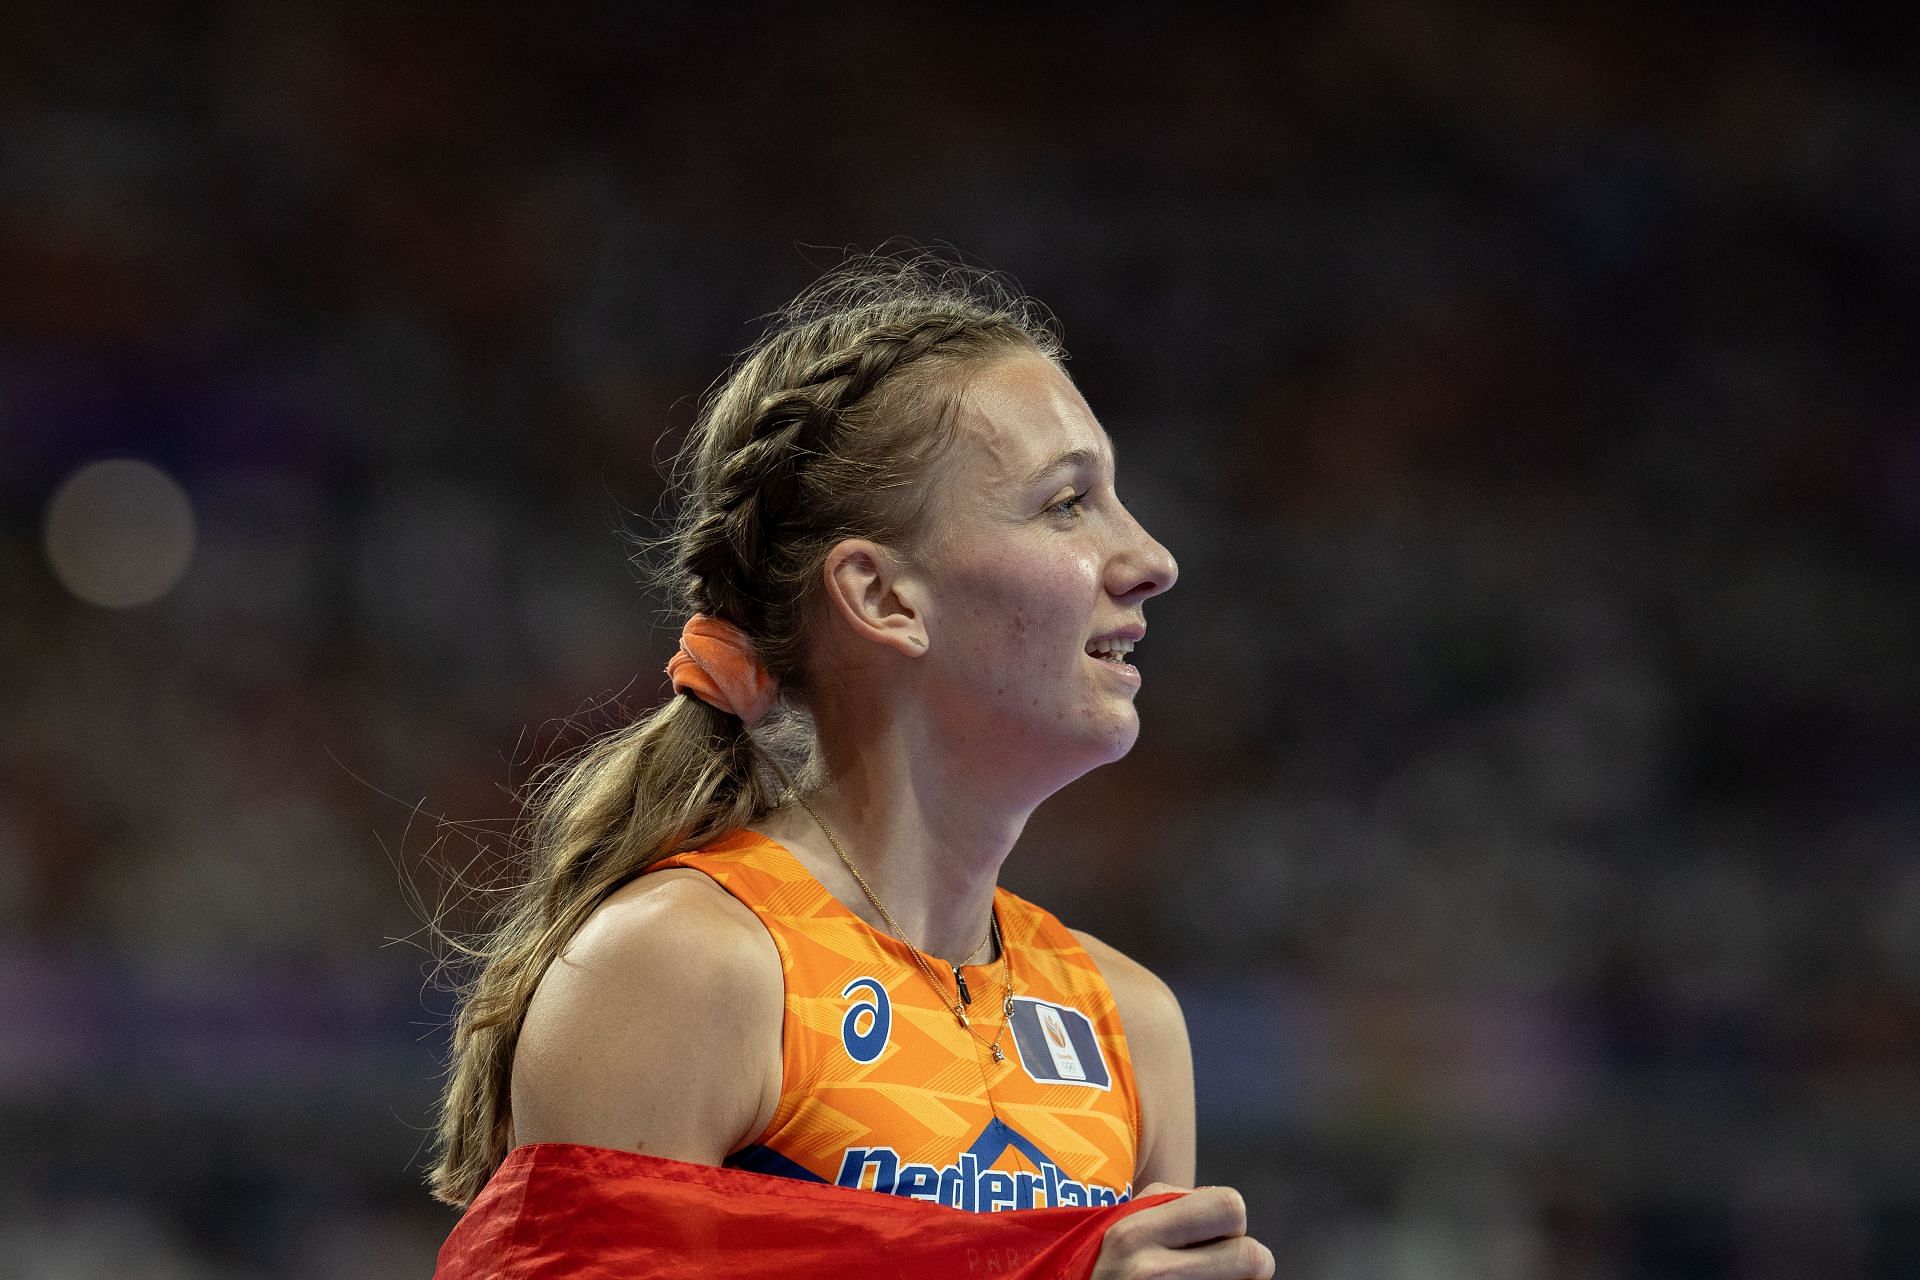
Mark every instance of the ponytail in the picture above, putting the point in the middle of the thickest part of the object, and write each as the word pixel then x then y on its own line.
pixel 671 781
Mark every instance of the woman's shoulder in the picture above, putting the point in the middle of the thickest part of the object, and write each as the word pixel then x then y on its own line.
pixel 675 918
pixel 1139 992
pixel 669 980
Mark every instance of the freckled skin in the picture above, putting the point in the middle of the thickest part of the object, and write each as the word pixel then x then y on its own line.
pixel 1019 587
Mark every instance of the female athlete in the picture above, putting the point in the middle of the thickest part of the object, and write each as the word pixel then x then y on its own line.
pixel 763 927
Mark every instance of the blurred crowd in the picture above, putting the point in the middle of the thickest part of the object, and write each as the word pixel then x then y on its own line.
pixel 1524 810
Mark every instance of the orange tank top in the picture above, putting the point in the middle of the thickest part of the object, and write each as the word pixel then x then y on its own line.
pixel 882 1089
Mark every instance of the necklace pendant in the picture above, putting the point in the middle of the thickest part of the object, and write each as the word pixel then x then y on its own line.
pixel 997 1055
pixel 962 1016
pixel 960 981
pixel 1008 1008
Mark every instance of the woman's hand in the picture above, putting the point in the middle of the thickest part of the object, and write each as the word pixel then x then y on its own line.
pixel 1200 1236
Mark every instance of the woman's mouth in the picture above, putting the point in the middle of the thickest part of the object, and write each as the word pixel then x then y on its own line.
pixel 1112 654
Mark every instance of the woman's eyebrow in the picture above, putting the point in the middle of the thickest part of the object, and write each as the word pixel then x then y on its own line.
pixel 1071 460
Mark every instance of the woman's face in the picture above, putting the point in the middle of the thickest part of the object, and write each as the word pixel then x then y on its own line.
pixel 1033 561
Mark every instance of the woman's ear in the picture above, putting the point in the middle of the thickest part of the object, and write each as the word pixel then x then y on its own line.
pixel 876 596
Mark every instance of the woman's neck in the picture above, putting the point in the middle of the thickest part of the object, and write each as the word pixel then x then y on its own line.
pixel 922 831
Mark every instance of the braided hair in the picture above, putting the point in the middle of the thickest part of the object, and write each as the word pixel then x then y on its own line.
pixel 831 426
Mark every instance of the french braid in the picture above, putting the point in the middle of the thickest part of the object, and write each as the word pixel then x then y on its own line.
pixel 801 470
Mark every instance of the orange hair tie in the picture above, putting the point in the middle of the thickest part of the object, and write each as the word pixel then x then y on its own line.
pixel 718 665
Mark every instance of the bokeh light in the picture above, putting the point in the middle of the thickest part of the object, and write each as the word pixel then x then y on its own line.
pixel 120 533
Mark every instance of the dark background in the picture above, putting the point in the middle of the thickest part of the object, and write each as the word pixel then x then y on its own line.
pixel 1525 809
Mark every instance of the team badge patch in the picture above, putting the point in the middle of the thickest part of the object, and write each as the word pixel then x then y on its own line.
pixel 1057 1044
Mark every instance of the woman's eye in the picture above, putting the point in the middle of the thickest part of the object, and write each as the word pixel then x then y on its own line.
pixel 1069 505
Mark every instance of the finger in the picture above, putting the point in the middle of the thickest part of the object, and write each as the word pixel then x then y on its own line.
pixel 1160 1189
pixel 1241 1258
pixel 1206 1214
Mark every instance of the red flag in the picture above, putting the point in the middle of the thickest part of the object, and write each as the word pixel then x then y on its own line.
pixel 556 1210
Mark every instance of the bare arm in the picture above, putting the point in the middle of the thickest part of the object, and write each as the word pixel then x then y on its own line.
pixel 1162 1064
pixel 1202 1235
pixel 658 1028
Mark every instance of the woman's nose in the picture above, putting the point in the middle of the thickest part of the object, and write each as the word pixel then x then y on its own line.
pixel 1145 569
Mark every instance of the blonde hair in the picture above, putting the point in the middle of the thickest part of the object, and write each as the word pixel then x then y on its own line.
pixel 830 426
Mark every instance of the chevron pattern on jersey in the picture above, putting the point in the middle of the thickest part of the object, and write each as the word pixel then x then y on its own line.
pixel 929 1114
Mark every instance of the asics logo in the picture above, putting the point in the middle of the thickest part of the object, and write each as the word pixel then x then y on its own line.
pixel 868 1023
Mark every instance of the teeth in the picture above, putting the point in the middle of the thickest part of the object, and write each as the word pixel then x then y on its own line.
pixel 1110 648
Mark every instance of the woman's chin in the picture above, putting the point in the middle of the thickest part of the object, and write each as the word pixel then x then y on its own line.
pixel 1124 738
pixel 1114 740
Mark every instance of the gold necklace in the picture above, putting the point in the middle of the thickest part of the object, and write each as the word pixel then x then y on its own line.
pixel 958 1007
pixel 984 940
